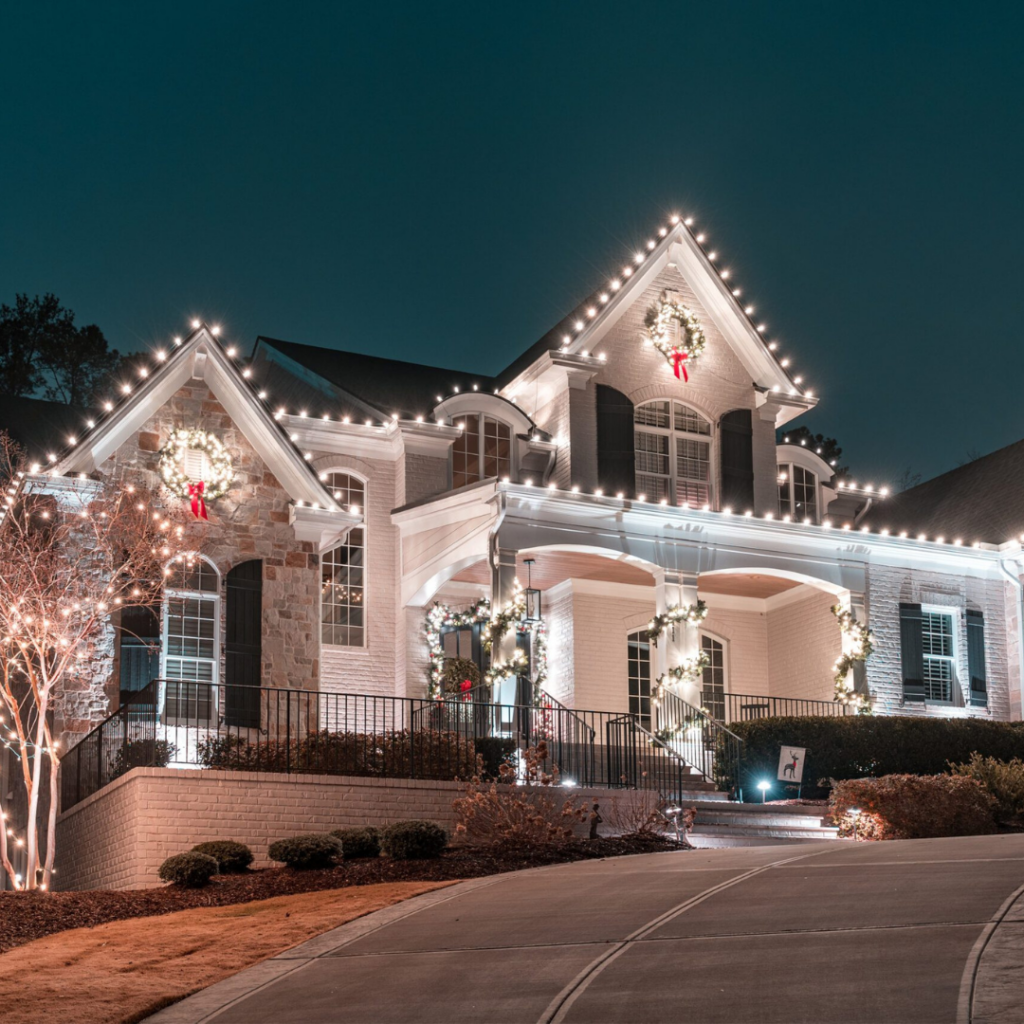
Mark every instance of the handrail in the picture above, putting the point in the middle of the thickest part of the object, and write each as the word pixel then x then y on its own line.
pixel 556 703
pixel 742 707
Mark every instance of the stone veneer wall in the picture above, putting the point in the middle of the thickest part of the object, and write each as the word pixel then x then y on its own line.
pixel 118 837
pixel 250 521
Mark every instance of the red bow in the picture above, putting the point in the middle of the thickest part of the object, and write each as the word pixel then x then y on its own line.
pixel 195 492
pixel 677 364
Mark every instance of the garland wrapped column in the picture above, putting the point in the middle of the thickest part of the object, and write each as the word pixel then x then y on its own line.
pixel 675 634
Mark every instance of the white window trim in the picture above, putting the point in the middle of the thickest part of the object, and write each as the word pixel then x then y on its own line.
pixel 787 468
pixel 726 688
pixel 954 616
pixel 630 631
pixel 364 526
pixel 218 653
pixel 513 461
pixel 710 438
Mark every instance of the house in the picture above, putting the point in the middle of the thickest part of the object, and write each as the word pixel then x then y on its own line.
pixel 619 477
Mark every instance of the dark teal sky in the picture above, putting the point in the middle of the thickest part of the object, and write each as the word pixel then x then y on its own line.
pixel 441 182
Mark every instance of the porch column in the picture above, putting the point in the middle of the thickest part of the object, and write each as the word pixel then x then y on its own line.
pixel 503 579
pixel 858 608
pixel 673 588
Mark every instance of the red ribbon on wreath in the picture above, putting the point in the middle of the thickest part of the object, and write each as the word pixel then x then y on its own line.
pixel 678 358
pixel 465 686
pixel 195 492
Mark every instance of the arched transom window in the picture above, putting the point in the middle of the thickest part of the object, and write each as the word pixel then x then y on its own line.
pixel 343 571
pixel 482 451
pixel 673 453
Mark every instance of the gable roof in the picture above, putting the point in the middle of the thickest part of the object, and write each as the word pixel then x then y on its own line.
pixel 982 500
pixel 360 384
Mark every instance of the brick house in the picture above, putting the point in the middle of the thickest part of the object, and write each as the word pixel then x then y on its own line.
pixel 617 478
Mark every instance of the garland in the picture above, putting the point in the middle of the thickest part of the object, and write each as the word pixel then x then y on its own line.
pixel 183 439
pixel 501 670
pixel 502 621
pixel 438 618
pixel 691 341
pixel 863 644
pixel 693 614
pixel 689 670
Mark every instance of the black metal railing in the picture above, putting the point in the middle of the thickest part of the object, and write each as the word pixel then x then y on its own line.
pixel 704 743
pixel 742 707
pixel 202 725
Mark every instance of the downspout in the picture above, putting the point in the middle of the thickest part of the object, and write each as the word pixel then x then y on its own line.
pixel 858 516
pixel 1014 578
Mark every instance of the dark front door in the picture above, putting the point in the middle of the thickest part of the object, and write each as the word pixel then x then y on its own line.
pixel 242 646
pixel 140 650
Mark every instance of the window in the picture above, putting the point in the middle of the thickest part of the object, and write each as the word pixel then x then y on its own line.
pixel 483 450
pixel 343 572
pixel 938 651
pixel 639 660
pixel 191 637
pixel 798 493
pixel 673 453
pixel 713 684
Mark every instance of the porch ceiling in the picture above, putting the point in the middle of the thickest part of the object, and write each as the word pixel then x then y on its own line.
pixel 744 584
pixel 553 567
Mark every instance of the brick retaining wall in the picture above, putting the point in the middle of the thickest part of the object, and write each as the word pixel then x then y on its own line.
pixel 117 838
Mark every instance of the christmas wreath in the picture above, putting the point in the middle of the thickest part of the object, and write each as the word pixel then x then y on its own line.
pixel 688 343
pixel 219 472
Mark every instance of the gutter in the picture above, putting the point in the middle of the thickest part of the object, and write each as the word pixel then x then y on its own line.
pixel 1015 579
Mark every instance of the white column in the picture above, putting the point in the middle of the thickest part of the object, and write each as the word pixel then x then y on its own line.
pixel 503 580
pixel 674 589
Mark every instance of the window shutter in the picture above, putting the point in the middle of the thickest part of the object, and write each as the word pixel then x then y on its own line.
pixel 736 445
pixel 912 652
pixel 978 696
pixel 139 650
pixel 616 463
pixel 243 644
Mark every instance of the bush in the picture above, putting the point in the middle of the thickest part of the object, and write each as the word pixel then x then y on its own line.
pixel 234 753
pixel 315 850
pixel 358 842
pixel 414 840
pixel 147 753
pixel 231 857
pixel 913 806
pixel 189 870
pixel 855 746
pixel 494 752
pixel 1004 781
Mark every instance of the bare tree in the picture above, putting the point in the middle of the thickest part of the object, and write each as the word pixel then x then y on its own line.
pixel 72 551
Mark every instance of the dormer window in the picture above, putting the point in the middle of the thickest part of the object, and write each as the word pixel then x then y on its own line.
pixel 483 450
pixel 798 493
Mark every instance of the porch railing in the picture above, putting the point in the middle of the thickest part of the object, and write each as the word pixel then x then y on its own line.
pixel 258 729
pixel 742 707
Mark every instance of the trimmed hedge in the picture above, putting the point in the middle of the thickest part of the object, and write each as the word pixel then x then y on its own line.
pixel 855 746
pixel 306 852
pixel 358 842
pixel 232 858
pixel 189 870
pixel 414 840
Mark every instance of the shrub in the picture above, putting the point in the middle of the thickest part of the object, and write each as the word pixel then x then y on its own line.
pixel 235 753
pixel 913 806
pixel 855 746
pixel 1004 780
pixel 494 752
pixel 358 842
pixel 147 753
pixel 519 813
pixel 231 857
pixel 189 870
pixel 315 850
pixel 414 840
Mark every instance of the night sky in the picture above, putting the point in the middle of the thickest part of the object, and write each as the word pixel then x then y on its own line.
pixel 442 182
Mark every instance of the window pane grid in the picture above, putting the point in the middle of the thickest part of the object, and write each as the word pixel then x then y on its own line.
pixel 639 671
pixel 343 574
pixel 671 463
pixel 714 678
pixel 937 646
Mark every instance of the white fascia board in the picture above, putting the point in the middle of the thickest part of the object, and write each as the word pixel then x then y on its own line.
pixel 549 375
pixel 454 507
pixel 662 527
pixel 323 527
pixel 433 439
pixel 337 438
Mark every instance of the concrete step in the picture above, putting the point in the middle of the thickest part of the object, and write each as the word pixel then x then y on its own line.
pixel 703 842
pixel 729 813
pixel 763 831
pixel 696 797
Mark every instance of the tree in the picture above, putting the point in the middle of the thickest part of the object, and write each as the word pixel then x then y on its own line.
pixel 827 447
pixel 41 347
pixel 906 479
pixel 71 552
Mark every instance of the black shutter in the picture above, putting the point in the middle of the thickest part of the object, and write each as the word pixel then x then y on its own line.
pixel 242 647
pixel 912 652
pixel 616 462
pixel 736 442
pixel 978 696
pixel 139 650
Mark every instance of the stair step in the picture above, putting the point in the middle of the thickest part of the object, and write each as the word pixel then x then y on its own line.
pixel 702 842
pixel 764 831
pixel 733 815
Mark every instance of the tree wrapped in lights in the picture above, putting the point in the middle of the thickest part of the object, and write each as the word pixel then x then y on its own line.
pixel 861 646
pixel 71 553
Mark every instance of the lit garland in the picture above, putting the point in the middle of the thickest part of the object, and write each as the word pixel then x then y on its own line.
pixel 440 617
pixel 692 614
pixel 540 651
pixel 184 439
pixel 501 670
pixel 689 670
pixel 690 341
pixel 502 621
pixel 863 644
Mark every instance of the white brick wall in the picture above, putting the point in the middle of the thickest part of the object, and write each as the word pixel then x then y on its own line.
pixel 745 634
pixel 558 615
pixel 803 644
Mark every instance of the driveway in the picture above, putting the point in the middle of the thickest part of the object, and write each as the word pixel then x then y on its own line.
pixel 929 930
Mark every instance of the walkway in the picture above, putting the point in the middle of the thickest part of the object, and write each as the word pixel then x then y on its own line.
pixel 913 931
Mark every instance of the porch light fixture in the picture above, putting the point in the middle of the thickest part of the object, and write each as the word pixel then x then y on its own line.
pixel 531 594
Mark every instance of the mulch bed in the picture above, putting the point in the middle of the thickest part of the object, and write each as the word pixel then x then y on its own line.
pixel 25 916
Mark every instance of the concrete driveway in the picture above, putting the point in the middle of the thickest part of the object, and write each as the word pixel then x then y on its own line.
pixel 929 930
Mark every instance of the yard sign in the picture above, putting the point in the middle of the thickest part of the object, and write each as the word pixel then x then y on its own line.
pixel 791 764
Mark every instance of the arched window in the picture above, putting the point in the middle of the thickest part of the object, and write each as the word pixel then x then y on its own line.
pixel 343 572
pixel 712 695
pixel 673 453
pixel 191 640
pixel 482 451
pixel 638 650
